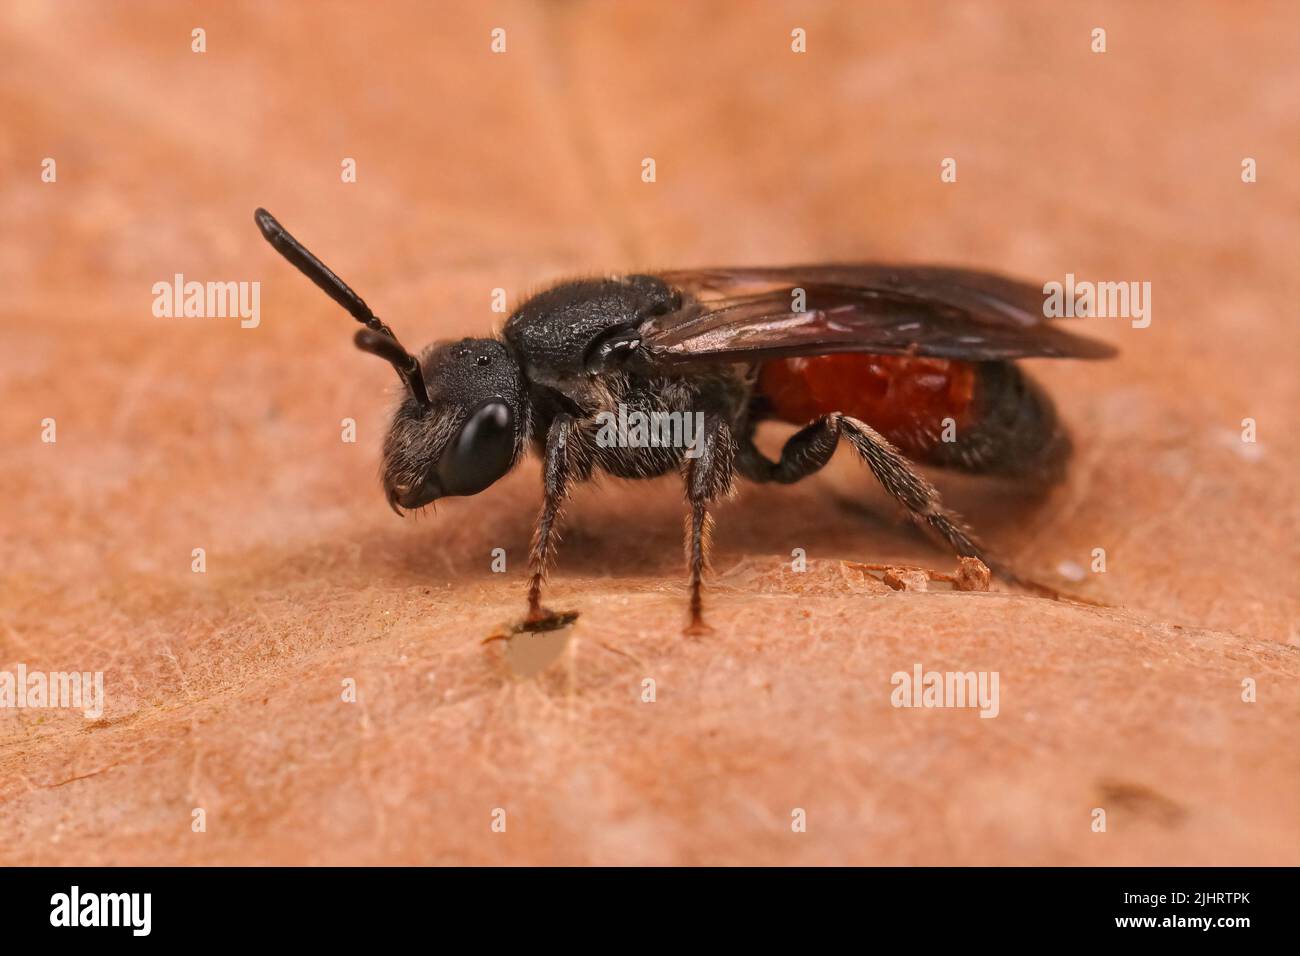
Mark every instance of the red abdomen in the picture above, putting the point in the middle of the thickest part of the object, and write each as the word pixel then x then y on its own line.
pixel 906 398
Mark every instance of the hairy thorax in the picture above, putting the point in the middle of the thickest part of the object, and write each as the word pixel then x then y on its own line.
pixel 631 426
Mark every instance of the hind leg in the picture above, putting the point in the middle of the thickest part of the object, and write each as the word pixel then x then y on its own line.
pixel 911 490
pixel 811 448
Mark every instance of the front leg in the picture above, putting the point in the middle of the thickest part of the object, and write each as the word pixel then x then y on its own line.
pixel 708 477
pixel 564 462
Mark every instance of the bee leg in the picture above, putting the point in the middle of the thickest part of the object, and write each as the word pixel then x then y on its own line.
pixel 560 468
pixel 913 492
pixel 807 451
pixel 708 477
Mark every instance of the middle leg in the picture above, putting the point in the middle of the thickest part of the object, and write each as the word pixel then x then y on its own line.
pixel 564 463
pixel 708 477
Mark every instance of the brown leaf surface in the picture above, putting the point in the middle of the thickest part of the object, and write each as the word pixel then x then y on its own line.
pixel 478 171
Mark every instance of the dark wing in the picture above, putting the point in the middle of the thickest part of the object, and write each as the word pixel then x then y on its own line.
pixel 749 314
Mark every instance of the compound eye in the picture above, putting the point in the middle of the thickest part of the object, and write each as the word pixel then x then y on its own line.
pixel 481 453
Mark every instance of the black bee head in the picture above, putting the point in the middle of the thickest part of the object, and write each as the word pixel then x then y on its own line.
pixel 463 421
pixel 469 433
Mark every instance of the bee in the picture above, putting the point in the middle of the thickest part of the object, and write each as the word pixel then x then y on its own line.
pixel 908 364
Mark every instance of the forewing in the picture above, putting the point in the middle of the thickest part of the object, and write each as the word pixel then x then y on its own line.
pixel 750 314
